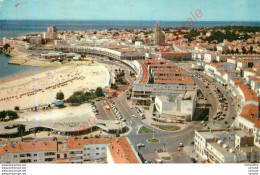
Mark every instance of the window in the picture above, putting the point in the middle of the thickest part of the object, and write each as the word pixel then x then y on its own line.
pixel 65 156
pixel 35 154
pixel 97 154
pixel 88 154
pixel 97 148
pixel 58 156
pixel 88 148
pixel 103 148
pixel 15 156
pixel 85 149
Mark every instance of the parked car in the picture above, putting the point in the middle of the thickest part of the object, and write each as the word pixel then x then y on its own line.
pixel 117 122
pixel 193 160
pixel 143 117
pixel 158 160
pixel 139 145
pixel 181 145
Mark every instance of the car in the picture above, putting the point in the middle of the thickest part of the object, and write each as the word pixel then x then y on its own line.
pixel 117 122
pixel 193 160
pixel 134 116
pixel 158 160
pixel 192 143
pixel 143 117
pixel 181 145
pixel 139 145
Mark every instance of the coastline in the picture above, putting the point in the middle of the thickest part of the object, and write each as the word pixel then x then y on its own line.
pixel 26 74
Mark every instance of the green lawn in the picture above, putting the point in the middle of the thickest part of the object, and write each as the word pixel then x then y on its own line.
pixel 160 151
pixel 153 140
pixel 168 127
pixel 144 130
pixel 166 158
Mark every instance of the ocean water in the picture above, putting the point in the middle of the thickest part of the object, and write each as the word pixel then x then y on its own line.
pixel 13 28
pixel 7 70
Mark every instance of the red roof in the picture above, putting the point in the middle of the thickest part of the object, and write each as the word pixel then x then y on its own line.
pixel 249 94
pixel 172 71
pixel 145 75
pixel 31 146
pixel 122 151
pixel 173 79
pixel 249 112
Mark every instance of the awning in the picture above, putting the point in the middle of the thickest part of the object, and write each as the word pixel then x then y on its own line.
pixel 58 102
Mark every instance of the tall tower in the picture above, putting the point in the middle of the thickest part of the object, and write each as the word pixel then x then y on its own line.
pixel 159 35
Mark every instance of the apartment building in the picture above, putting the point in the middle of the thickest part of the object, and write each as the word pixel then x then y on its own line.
pixel 29 152
pixel 67 151
pixel 226 146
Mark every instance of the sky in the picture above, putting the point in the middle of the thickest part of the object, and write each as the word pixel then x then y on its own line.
pixel 163 10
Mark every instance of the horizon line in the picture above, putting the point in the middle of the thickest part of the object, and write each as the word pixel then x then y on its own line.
pixel 123 20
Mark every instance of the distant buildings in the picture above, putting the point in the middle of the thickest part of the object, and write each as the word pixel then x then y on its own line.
pixel 51 34
pixel 159 35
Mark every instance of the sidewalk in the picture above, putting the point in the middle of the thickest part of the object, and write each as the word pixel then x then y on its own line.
pixel 192 153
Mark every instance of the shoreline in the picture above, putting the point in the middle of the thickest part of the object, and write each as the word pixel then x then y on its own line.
pixel 26 74
pixel 28 89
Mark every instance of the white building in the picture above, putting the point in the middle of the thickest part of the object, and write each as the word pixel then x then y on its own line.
pixel 226 146
pixel 179 107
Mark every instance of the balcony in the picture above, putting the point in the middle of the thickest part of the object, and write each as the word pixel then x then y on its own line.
pixel 50 154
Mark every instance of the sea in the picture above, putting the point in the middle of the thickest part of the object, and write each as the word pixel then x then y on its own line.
pixel 14 28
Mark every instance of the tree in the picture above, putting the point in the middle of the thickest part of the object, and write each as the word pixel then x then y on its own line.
pixel 6 46
pixel 21 130
pixel 251 49
pixel 17 108
pixel 244 50
pixel 43 41
pixel 114 86
pixel 154 108
pixel 99 92
pixel 60 96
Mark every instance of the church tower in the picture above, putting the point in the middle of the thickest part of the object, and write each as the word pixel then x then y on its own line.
pixel 159 35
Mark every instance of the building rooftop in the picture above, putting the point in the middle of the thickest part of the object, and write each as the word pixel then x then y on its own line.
pixel 122 151
pixel 30 146
pixel 249 94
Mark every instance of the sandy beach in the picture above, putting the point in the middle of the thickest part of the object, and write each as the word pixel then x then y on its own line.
pixel 41 88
